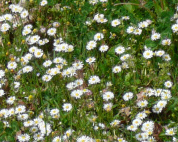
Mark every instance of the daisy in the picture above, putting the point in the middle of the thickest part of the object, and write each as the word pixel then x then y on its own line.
pixel 28 56
pixel 119 50
pixel 141 115
pixel 90 60
pixel 142 104
pixel 115 22
pixel 98 36
pixel 2 18
pixel 4 113
pixel 70 48
pixel 124 57
pixel 130 29
pixel 58 60
pixel 84 139
pixel 43 2
pixel 33 129
pixel 103 48
pixel 166 57
pixel 47 63
pixel 125 65
pixel 54 111
pixel 8 17
pixel 132 128
pixel 108 106
pixel 2 74
pixel 38 136
pixel 2 93
pixel 143 24
pixel 103 0
pixel 137 31
pixel 91 45
pixel 11 65
pixel 166 42
pixel 16 84
pixel 94 80
pixel 24 14
pixel 121 140
pixel 27 69
pixel 155 36
pixel 162 103
pixel 38 53
pixel 46 78
pixel 32 49
pixel 76 94
pixel 23 137
pixel 116 69
pixel 78 82
pixel 69 132
pixel 11 111
pixel 115 123
pixel 22 117
pixel 99 18
pixel 174 28
pixel 28 26
pixel 108 96
pixel 159 53
pixel 20 109
pixel 54 71
pixel 10 100
pixel 71 86
pixel 33 39
pixel 78 65
pixel 128 96
pixel 165 96
pixel 170 132
pixel 28 123
pixel 41 42
pixel 149 92
pixel 51 31
pixel 37 121
pixel 148 125
pixel 168 84
pixel 56 24
pixel 67 107
pixel 4 27
pixel 148 54
pixel 125 18
pixel 57 139
pixel 137 122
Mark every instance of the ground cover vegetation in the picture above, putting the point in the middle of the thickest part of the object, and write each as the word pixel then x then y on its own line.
pixel 89 70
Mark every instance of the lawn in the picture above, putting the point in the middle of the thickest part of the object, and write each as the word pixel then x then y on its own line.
pixel 89 71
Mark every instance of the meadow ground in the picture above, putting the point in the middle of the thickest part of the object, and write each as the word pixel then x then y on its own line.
pixel 89 71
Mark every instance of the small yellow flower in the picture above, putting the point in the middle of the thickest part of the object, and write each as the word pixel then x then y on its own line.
pixel 30 97
pixel 12 59
pixel 114 35
pixel 8 43
pixel 44 56
pixel 23 41
pixel 123 105
pixel 68 23
pixel 104 31
pixel 34 30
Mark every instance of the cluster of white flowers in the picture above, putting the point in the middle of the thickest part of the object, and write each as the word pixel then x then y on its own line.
pixel 99 18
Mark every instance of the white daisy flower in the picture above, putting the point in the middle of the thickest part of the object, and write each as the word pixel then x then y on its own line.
pixel 148 54
pixel 115 22
pixel 94 80
pixel 51 31
pixel 67 107
pixel 119 50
